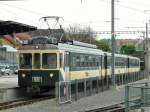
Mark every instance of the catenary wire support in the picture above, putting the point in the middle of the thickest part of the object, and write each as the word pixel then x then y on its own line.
pixel 147 52
pixel 113 43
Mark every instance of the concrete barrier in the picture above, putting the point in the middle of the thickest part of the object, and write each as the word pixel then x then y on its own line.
pixel 8 94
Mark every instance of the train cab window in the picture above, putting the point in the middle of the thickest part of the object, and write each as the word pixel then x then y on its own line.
pixel 49 60
pixel 25 61
pixel 36 58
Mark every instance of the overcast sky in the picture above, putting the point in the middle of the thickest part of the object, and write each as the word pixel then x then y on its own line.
pixel 96 13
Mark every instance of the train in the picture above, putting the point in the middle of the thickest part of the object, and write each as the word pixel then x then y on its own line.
pixel 43 62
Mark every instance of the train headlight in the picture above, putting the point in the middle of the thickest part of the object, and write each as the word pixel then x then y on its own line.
pixel 51 75
pixel 23 75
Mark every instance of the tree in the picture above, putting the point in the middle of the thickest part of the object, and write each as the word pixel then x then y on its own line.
pixel 103 45
pixel 128 49
pixel 1 42
pixel 82 34
pixel 87 35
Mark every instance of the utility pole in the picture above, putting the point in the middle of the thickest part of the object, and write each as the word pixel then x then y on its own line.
pixel 146 50
pixel 144 42
pixel 113 42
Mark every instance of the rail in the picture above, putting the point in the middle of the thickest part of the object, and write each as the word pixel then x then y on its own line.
pixel 112 108
pixel 22 101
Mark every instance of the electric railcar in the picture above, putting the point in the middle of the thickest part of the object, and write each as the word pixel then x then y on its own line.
pixel 42 64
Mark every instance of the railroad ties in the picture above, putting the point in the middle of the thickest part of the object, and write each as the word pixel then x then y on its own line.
pixel 113 108
pixel 22 101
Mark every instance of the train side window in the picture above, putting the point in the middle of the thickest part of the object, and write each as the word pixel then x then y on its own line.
pixel 73 61
pixel 86 60
pixel 78 61
pixel 66 61
pixel 82 60
pixel 61 60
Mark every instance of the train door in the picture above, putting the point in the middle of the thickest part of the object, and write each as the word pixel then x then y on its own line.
pixel 100 65
pixel 106 77
pixel 128 65
pixel 66 65
pixel 105 64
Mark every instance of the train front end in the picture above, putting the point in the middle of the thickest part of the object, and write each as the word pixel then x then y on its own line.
pixel 39 70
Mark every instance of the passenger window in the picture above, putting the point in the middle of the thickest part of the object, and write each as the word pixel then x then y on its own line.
pixel 61 60
pixel 78 61
pixel 49 60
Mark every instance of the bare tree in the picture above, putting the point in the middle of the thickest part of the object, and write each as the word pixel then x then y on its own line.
pixel 83 34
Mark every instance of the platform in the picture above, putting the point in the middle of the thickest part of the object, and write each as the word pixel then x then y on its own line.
pixel 10 81
pixel 102 99
pixel 9 89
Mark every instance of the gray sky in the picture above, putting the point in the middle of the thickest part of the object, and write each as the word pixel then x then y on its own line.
pixel 96 13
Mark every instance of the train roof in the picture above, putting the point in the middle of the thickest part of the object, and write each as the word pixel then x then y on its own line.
pixel 79 49
pixel 82 44
pixel 121 55
pixel 72 48
pixel 63 46
pixel 39 47
pixel 133 57
pixel 44 43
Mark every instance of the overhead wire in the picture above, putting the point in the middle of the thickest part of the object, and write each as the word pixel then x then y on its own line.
pixel 141 3
pixel 42 14
pixel 124 6
pixel 18 15
pixel 130 8
pixel 23 9
pixel 38 13
pixel 14 14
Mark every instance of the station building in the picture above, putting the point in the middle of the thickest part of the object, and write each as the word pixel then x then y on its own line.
pixel 8 57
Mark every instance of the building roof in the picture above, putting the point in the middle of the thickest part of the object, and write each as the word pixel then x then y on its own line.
pixel 9 48
pixel 10 27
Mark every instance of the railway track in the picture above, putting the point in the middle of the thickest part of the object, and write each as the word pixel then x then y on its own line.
pixel 22 101
pixel 112 108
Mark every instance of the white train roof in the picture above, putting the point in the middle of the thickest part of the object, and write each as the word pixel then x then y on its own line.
pixel 79 49
pixel 121 55
pixel 133 57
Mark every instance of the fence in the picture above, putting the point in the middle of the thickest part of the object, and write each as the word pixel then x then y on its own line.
pixel 63 92
pixel 137 96
pixel 74 90
pixel 130 77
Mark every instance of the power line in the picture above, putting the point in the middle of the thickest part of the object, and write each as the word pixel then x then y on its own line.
pixel 120 32
pixel 108 32
pixel 124 6
pixel 14 14
pixel 23 9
